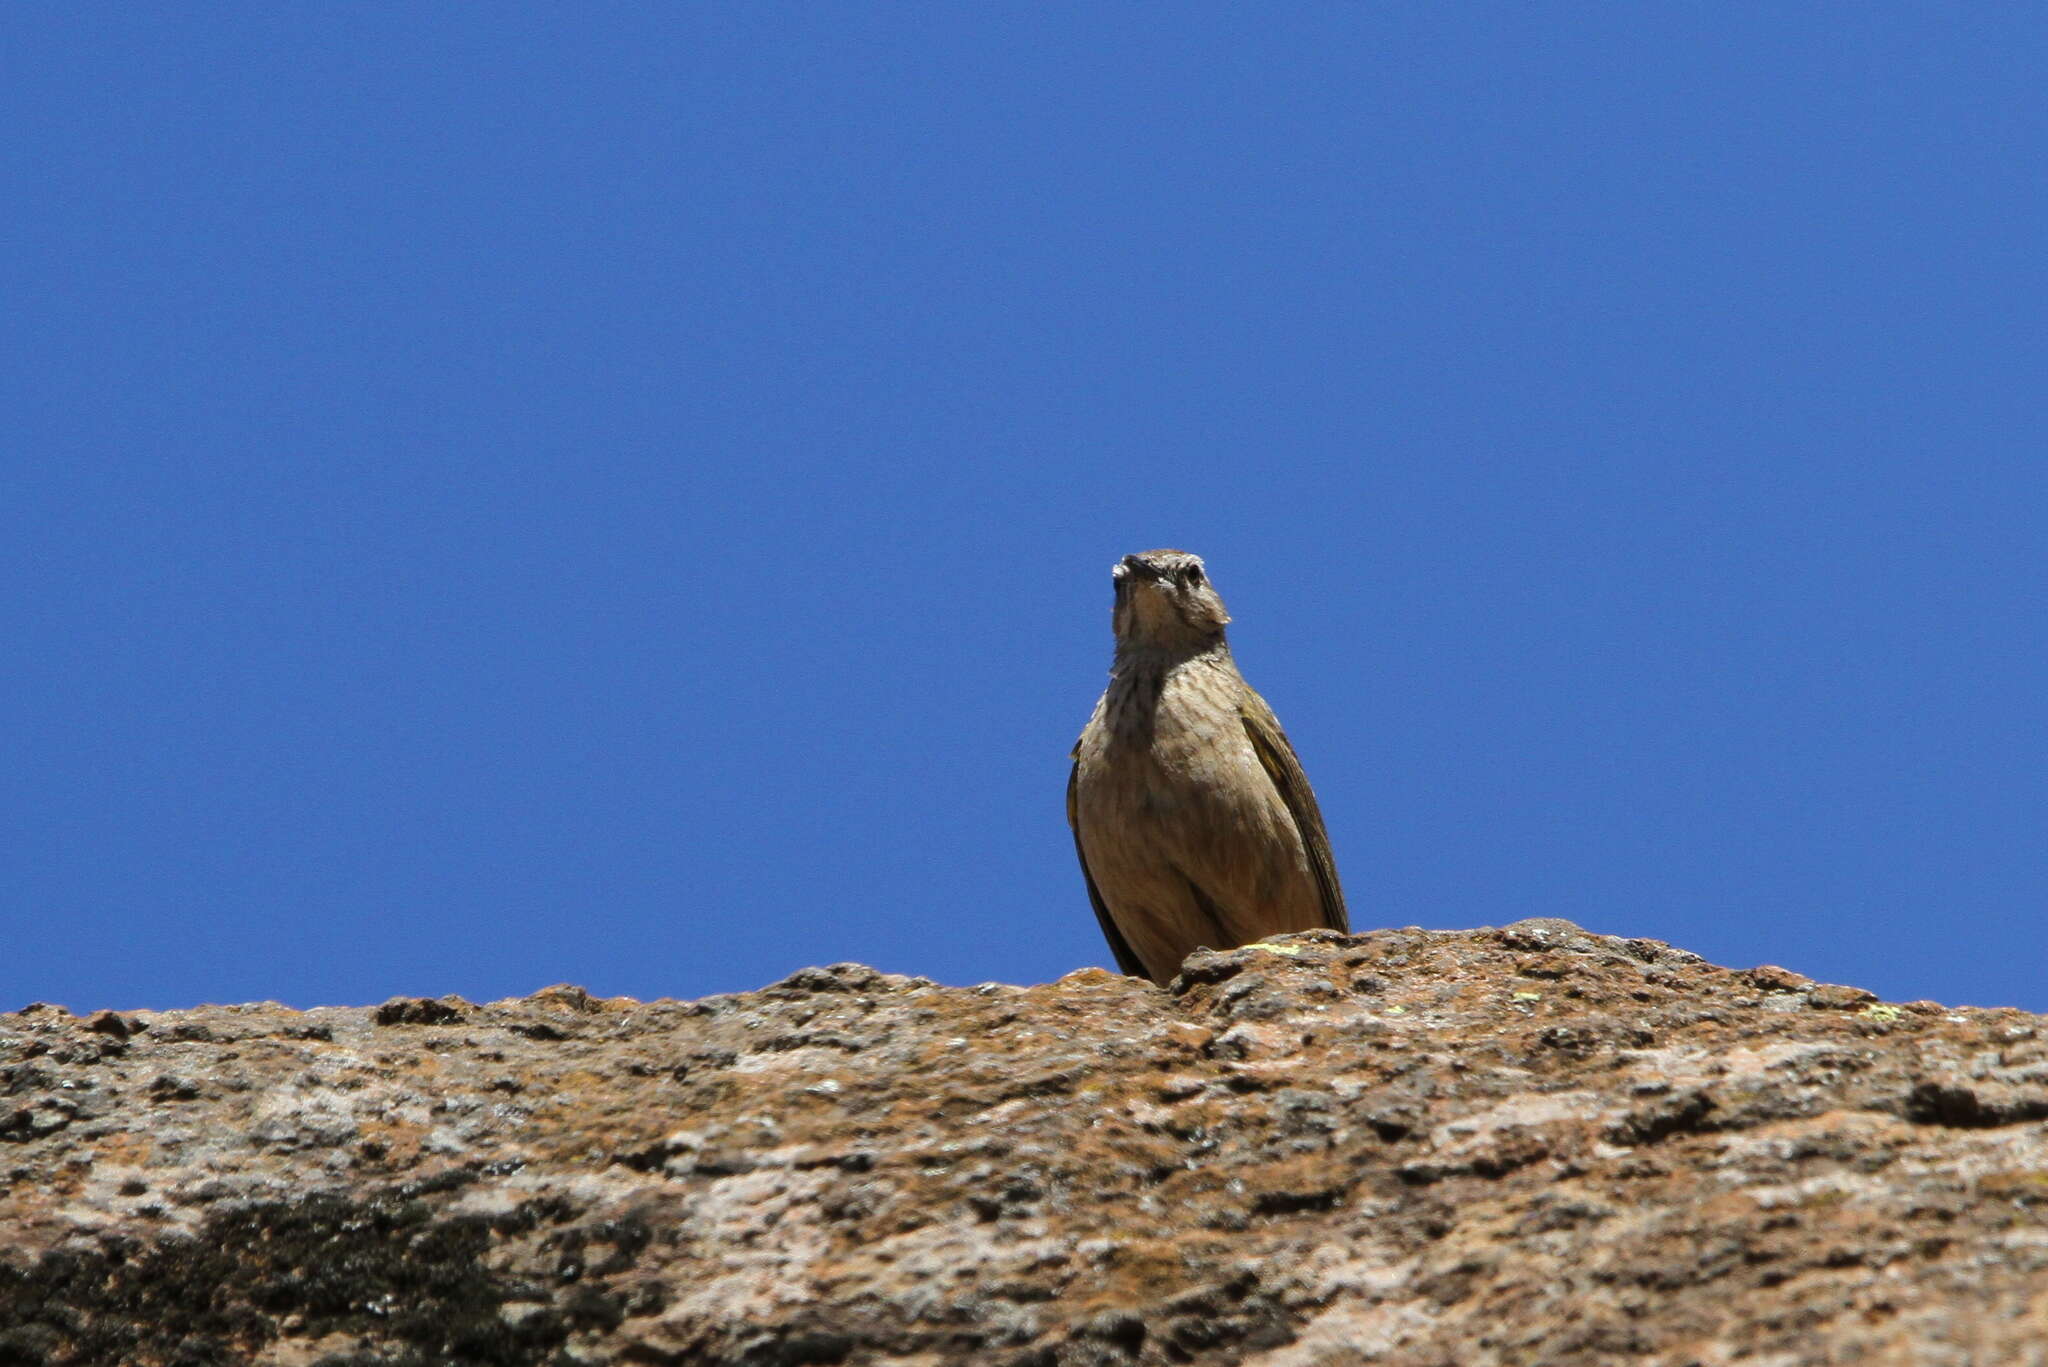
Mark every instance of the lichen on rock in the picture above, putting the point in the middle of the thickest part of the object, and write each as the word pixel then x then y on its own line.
pixel 1530 1144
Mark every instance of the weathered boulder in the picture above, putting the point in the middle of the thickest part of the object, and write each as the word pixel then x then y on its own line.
pixel 1524 1145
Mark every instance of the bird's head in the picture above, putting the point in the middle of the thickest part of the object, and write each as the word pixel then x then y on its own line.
pixel 1164 600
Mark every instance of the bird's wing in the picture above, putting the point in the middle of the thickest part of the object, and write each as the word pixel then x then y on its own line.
pixel 1125 960
pixel 1278 759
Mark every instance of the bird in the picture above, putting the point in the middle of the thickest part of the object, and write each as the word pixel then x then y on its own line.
pixel 1193 820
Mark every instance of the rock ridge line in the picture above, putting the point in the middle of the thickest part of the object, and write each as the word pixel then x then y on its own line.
pixel 1498 1146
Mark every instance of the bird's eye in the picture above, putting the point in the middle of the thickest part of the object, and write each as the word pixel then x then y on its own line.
pixel 1195 575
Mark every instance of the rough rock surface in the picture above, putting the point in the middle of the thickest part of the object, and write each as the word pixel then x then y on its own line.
pixel 1525 1145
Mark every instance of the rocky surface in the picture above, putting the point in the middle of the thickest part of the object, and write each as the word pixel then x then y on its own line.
pixel 1525 1145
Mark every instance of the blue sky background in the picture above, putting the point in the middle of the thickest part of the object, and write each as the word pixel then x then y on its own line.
pixel 625 493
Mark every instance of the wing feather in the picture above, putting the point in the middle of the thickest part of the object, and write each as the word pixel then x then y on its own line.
pixel 1125 959
pixel 1284 768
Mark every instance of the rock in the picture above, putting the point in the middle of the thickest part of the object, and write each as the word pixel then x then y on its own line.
pixel 1771 978
pixel 1835 997
pixel 421 1011
pixel 112 1023
pixel 1530 1144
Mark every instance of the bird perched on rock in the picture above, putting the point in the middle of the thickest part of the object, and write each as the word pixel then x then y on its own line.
pixel 1194 822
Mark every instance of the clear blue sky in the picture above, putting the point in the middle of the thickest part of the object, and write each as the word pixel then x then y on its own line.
pixel 626 493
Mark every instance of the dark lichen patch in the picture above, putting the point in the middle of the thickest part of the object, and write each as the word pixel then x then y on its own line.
pixel 386 1270
pixel 1686 1114
pixel 1962 1106
pixel 448 1010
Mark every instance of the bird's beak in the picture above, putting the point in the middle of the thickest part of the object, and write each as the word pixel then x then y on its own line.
pixel 1130 565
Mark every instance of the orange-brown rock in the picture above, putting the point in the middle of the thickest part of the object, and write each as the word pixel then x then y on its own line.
pixel 1525 1145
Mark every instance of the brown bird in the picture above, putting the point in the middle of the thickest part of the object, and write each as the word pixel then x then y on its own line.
pixel 1194 822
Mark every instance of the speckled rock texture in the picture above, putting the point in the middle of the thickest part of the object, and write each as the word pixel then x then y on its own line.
pixel 1515 1146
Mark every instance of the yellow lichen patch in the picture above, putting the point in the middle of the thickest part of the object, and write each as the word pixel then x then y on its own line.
pixel 398 1140
pixel 2028 1188
pixel 1138 1270
pixel 125 1150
